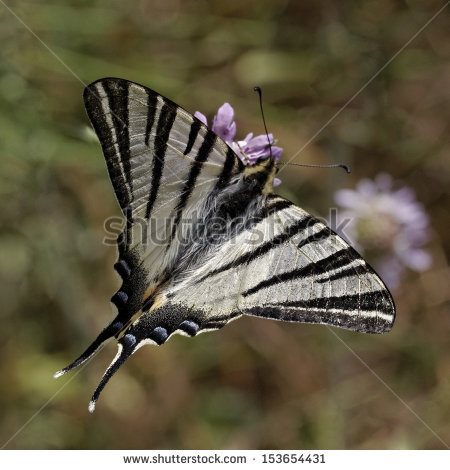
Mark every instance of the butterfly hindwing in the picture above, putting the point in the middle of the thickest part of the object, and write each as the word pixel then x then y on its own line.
pixel 289 266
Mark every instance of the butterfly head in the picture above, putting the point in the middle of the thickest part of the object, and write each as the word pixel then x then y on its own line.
pixel 263 172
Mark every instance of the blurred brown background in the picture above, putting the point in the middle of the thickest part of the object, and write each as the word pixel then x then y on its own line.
pixel 256 383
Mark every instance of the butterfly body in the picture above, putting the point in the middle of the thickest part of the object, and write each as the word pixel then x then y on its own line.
pixel 206 240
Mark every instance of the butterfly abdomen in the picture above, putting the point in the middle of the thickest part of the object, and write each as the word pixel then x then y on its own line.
pixel 225 214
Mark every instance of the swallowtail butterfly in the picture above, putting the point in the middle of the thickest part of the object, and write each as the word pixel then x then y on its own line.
pixel 206 239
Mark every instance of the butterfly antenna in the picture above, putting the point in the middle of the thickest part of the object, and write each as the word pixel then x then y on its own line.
pixel 312 165
pixel 259 91
pixel 337 165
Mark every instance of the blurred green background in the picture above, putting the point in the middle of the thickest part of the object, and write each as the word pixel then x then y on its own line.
pixel 256 383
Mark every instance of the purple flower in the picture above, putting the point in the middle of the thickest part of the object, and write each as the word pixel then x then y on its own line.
pixel 249 150
pixel 223 124
pixel 388 222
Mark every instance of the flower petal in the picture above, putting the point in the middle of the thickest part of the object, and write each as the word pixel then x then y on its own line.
pixel 259 143
pixel 276 182
pixel 236 147
pixel 251 149
pixel 390 219
pixel 201 117
pixel 276 152
pixel 390 271
pixel 366 188
pixel 223 124
pixel 346 198
pixel 419 260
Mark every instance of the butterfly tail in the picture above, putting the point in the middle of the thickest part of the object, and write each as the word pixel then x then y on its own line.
pixel 126 346
pixel 111 330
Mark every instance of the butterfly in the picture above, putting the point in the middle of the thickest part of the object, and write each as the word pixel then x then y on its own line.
pixel 206 240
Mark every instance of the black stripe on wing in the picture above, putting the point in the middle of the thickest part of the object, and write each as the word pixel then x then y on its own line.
pixel 378 317
pixel 231 162
pixel 117 93
pixel 322 234
pixel 329 263
pixel 112 135
pixel 357 270
pixel 263 213
pixel 165 122
pixel 195 169
pixel 264 248
pixel 193 133
pixel 367 301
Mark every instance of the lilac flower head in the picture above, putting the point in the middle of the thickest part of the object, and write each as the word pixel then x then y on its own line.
pixel 387 221
pixel 223 124
pixel 249 150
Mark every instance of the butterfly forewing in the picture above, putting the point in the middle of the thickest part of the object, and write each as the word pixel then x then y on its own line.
pixel 156 152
